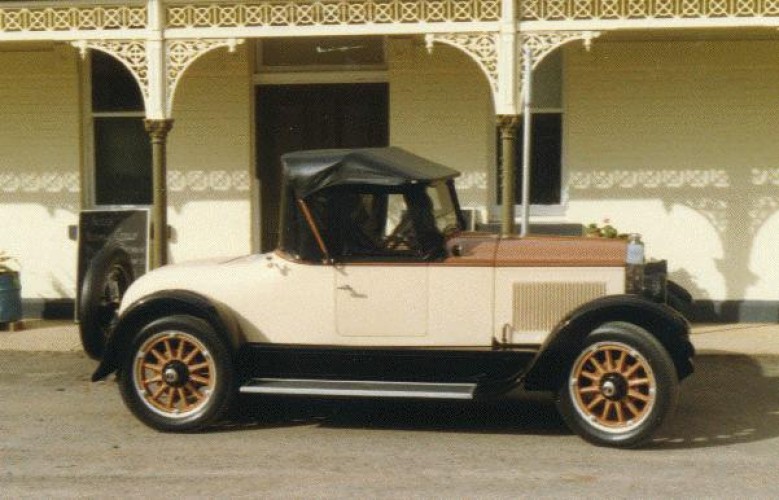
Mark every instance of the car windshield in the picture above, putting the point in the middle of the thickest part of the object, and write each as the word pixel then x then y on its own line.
pixel 443 207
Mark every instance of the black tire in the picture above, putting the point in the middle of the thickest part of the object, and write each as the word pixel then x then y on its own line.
pixel 178 375
pixel 679 298
pixel 108 276
pixel 621 388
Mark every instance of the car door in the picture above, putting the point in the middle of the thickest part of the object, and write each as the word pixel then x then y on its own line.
pixel 381 300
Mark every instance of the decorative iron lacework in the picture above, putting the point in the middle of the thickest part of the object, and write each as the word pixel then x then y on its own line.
pixel 541 44
pixel 132 53
pixel 576 10
pixel 482 47
pixel 72 18
pixel 182 53
pixel 331 12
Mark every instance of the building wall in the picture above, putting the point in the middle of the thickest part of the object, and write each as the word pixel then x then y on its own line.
pixel 670 139
pixel 210 162
pixel 209 158
pixel 441 108
pixel 675 140
pixel 40 155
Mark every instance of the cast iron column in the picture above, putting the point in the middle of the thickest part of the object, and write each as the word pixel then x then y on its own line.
pixel 158 131
pixel 508 139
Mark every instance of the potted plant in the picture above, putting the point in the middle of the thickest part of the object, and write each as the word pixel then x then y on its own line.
pixel 594 230
pixel 10 290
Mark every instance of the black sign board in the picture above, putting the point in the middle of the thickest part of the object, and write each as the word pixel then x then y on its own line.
pixel 129 228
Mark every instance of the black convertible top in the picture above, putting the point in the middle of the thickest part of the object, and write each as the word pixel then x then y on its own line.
pixel 307 172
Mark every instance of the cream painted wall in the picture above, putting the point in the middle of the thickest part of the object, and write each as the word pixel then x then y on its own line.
pixel 676 140
pixel 441 108
pixel 210 161
pixel 39 165
pixel 670 139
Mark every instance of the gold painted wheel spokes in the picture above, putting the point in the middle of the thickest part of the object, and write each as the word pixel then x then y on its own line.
pixel 174 374
pixel 612 386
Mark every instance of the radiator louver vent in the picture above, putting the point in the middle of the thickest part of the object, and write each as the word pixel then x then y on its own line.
pixel 541 306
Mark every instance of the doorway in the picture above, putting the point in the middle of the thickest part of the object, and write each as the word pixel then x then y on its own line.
pixel 299 117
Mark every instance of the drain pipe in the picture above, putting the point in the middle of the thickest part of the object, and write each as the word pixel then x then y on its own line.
pixel 527 88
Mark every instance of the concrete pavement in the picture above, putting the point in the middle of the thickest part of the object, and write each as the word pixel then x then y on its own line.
pixel 741 338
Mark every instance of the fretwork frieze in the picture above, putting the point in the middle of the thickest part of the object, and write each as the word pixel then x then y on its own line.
pixel 16 20
pixel 331 12
pixel 604 10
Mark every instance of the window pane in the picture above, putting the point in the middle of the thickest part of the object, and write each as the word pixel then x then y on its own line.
pixel 122 162
pixel 113 87
pixel 332 51
pixel 443 207
pixel 546 161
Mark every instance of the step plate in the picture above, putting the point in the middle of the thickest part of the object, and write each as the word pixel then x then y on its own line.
pixel 353 388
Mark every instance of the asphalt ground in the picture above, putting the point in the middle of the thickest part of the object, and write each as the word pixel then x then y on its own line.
pixel 62 436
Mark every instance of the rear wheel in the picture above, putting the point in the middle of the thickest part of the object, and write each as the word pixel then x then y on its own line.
pixel 178 375
pixel 621 387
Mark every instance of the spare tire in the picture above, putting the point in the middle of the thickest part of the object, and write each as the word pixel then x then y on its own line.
pixel 680 299
pixel 108 276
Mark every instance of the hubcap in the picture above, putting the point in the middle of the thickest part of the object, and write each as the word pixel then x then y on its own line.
pixel 612 387
pixel 174 374
pixel 609 389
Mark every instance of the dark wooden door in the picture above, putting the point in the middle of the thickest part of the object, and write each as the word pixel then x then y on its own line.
pixel 299 117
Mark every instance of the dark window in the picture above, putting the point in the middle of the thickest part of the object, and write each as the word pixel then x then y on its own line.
pixel 123 162
pixel 547 136
pixel 113 87
pixel 546 161
pixel 367 223
pixel 123 173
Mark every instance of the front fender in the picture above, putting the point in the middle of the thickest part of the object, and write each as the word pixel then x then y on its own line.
pixel 550 367
pixel 159 304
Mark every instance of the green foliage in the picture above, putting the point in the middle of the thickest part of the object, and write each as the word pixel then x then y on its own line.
pixel 594 230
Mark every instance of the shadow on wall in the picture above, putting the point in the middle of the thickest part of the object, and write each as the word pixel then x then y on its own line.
pixel 53 190
pixel 736 204
pixel 207 185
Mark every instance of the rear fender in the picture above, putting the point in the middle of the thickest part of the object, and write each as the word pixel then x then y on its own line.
pixel 157 305
pixel 550 367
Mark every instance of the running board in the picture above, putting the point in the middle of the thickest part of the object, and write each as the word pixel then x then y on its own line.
pixel 354 388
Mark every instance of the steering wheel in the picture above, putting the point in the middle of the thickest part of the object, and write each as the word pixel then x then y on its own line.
pixel 400 235
pixel 450 230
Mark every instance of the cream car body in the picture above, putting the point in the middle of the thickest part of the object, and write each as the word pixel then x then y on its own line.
pixel 375 290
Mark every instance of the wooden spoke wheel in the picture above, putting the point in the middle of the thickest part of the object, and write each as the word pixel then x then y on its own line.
pixel 174 373
pixel 178 374
pixel 621 387
pixel 613 386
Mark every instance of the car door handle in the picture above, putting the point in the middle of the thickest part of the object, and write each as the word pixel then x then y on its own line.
pixel 352 292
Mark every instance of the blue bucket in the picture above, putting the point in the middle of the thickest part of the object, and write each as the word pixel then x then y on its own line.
pixel 10 298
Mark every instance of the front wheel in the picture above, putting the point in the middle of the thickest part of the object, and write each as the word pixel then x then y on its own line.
pixel 621 387
pixel 178 375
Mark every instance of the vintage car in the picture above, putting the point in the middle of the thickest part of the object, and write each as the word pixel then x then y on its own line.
pixel 376 290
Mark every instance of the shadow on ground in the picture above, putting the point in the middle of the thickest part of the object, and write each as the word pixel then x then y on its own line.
pixel 730 398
